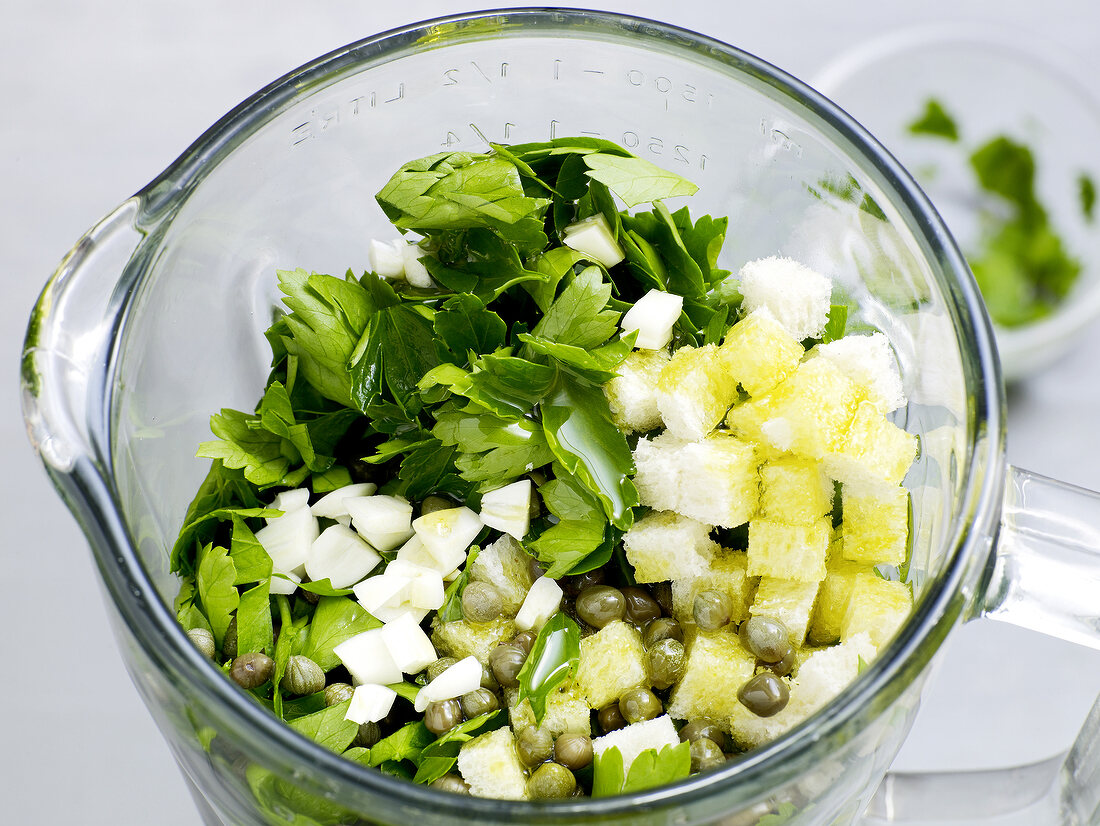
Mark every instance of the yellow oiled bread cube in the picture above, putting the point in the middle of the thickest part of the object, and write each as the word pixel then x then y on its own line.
pixel 491 765
pixel 566 710
pixel 788 601
pixel 717 665
pixel 875 528
pixel 694 392
pixel 746 420
pixel 874 452
pixel 505 565
pixel 876 607
pixel 632 395
pixel 612 661
pixel 461 639
pixel 759 353
pixel 794 490
pixel 727 572
pixel 870 363
pixel 810 412
pixel 713 481
pixel 663 546
pixel 823 675
pixel 832 599
pixel 795 294
pixel 795 552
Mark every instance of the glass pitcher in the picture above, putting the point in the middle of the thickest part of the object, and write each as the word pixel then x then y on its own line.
pixel 155 320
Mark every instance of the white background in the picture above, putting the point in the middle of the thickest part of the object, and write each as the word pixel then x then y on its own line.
pixel 101 96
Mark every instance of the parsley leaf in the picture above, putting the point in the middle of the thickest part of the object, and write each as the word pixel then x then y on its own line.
pixel 935 121
pixel 577 541
pixel 553 659
pixel 578 317
pixel 328 727
pixel 254 628
pixel 649 769
pixel 217 594
pixel 636 180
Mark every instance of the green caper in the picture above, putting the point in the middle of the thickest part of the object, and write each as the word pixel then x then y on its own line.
pixel 573 585
pixel 506 660
pixel 252 669
pixel 662 628
pixel 442 716
pixel 610 718
pixel 572 750
pixel 438 667
pixel 662 592
pixel 766 637
pixel 302 676
pixel 640 606
pixel 525 640
pixel 488 679
pixel 369 733
pixel 712 609
pixel 764 694
pixel 336 693
pixel 784 667
pixel 599 605
pixel 481 602
pixel 431 504
pixel 639 704
pixel 204 641
pixel 665 663
pixel 451 783
pixel 534 746
pixel 229 641
pixel 705 754
pixel 703 727
pixel 551 781
pixel 477 702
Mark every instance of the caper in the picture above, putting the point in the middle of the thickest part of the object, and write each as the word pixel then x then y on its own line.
pixel 451 783
pixel 662 628
pixel 665 663
pixel 431 504
pixel 610 718
pixel 336 693
pixel 477 702
pixel 550 781
pixel 369 733
pixel 662 592
pixel 488 679
pixel 481 602
pixel 572 750
pixel 442 716
pixel 703 727
pixel 573 585
pixel 534 567
pixel 229 641
pixel 438 667
pixel 705 754
pixel 302 676
pixel 784 667
pixel 204 641
pixel 766 637
pixel 640 704
pixel 252 669
pixel 711 610
pixel 640 606
pixel 534 746
pixel 506 660
pixel 764 695
pixel 599 605
pixel 525 640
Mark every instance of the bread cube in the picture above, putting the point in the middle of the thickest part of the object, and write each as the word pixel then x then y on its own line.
pixel 717 665
pixel 870 363
pixel 797 296
pixel 876 607
pixel 566 711
pixel 612 661
pixel 713 481
pixel 632 395
pixel 694 392
pixel 505 565
pixel 758 352
pixel 664 545
pixel 632 740
pixel 832 599
pixel 788 601
pixel 461 639
pixel 795 552
pixel 727 572
pixel 875 528
pixel 490 764
pixel 794 490
pixel 874 452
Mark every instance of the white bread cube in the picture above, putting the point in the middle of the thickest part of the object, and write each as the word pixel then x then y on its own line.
pixel 869 362
pixel 664 546
pixel 791 602
pixel 459 638
pixel 632 394
pixel 875 529
pixel 370 703
pixel 717 665
pixel 794 490
pixel 727 571
pixel 713 481
pixel 832 599
pixel 876 607
pixel 694 391
pixel 490 765
pixel 783 551
pixel 566 711
pixel 505 565
pixel 798 297
pixel 367 658
pixel 874 452
pixel 635 738
pixel 612 661
pixel 759 353
pixel 340 555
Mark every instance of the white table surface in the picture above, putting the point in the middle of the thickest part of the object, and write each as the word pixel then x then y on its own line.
pixel 102 96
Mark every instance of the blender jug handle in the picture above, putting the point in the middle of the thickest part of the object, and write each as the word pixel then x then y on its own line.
pixel 69 341
pixel 1044 575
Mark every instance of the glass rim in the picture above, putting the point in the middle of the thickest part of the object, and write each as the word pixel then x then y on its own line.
pixel 126 576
